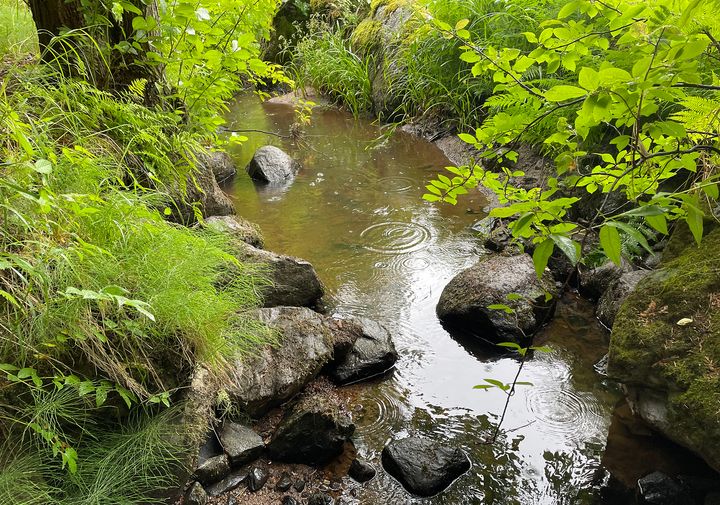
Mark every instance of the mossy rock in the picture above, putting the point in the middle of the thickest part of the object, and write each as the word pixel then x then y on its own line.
pixel 665 345
pixel 367 36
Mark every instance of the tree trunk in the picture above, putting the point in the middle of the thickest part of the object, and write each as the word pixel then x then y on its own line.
pixel 50 17
pixel 109 70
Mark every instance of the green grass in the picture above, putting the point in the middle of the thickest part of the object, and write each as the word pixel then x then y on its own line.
pixel 17 30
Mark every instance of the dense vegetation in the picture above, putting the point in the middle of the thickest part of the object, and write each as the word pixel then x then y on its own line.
pixel 109 301
pixel 622 96
pixel 107 308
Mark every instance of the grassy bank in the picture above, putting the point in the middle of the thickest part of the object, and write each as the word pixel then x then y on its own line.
pixel 106 307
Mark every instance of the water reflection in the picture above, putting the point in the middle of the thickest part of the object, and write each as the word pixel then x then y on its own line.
pixel 356 213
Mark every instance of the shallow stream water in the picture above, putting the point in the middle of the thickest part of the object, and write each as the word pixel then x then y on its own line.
pixel 355 211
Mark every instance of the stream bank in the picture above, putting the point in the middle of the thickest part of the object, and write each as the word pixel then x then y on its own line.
pixel 354 210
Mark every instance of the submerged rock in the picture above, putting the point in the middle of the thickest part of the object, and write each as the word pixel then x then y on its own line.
pixel 277 373
pixel 595 281
pixel 665 345
pixel 238 228
pixel 321 499
pixel 361 471
pixel 465 300
pixel 294 281
pixel 313 433
pixel 373 353
pixel 284 483
pixel 422 466
pixel 660 489
pixel 196 495
pixel 241 444
pixel 272 164
pixel 258 477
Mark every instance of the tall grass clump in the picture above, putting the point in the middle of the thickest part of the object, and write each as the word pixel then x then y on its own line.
pixel 107 309
pixel 325 61
pixel 17 30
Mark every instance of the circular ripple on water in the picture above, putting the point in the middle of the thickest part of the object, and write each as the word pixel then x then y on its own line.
pixel 382 414
pixel 395 237
pixel 395 184
pixel 573 416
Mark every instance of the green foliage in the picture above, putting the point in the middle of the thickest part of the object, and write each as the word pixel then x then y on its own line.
pixel 638 72
pixel 17 31
pixel 326 62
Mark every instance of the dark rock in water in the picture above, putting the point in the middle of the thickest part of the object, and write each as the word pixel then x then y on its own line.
pixel 284 483
pixel 293 281
pixel 241 443
pixel 361 471
pixel 196 495
pixel 321 499
pixel 422 466
pixel 229 483
pixel 257 479
pixel 219 163
pixel 660 489
pixel 595 281
pixel 238 228
pixel 465 300
pixel 613 297
pixel 299 485
pixel 372 354
pixel 213 470
pixel 289 500
pixel 277 373
pixel 272 164
pixel 313 433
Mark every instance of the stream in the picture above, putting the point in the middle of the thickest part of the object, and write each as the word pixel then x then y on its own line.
pixel 355 211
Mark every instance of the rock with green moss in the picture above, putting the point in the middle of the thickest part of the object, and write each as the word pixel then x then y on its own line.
pixel 665 348
pixel 237 228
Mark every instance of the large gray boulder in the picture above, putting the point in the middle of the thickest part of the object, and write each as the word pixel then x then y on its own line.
pixel 372 354
pixel 422 466
pixel 277 373
pixel 293 281
pixel 272 164
pixel 313 433
pixel 465 300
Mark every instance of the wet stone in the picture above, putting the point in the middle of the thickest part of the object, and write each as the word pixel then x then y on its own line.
pixel 228 483
pixel 258 477
pixel 422 466
pixel 660 489
pixel 196 495
pixel 299 485
pixel 289 500
pixel 284 483
pixel 361 471
pixel 321 499
pixel 241 443
pixel 213 470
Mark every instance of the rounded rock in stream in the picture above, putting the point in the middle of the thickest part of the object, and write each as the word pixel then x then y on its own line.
pixel 361 471
pixel 422 466
pixel 498 280
pixel 240 443
pixel 272 164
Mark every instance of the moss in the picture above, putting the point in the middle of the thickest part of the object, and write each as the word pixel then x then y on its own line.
pixel 389 5
pixel 650 349
pixel 367 36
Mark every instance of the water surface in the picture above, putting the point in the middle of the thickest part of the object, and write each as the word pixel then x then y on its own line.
pixel 355 211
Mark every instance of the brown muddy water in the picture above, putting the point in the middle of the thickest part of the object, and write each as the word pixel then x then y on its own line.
pixel 355 211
